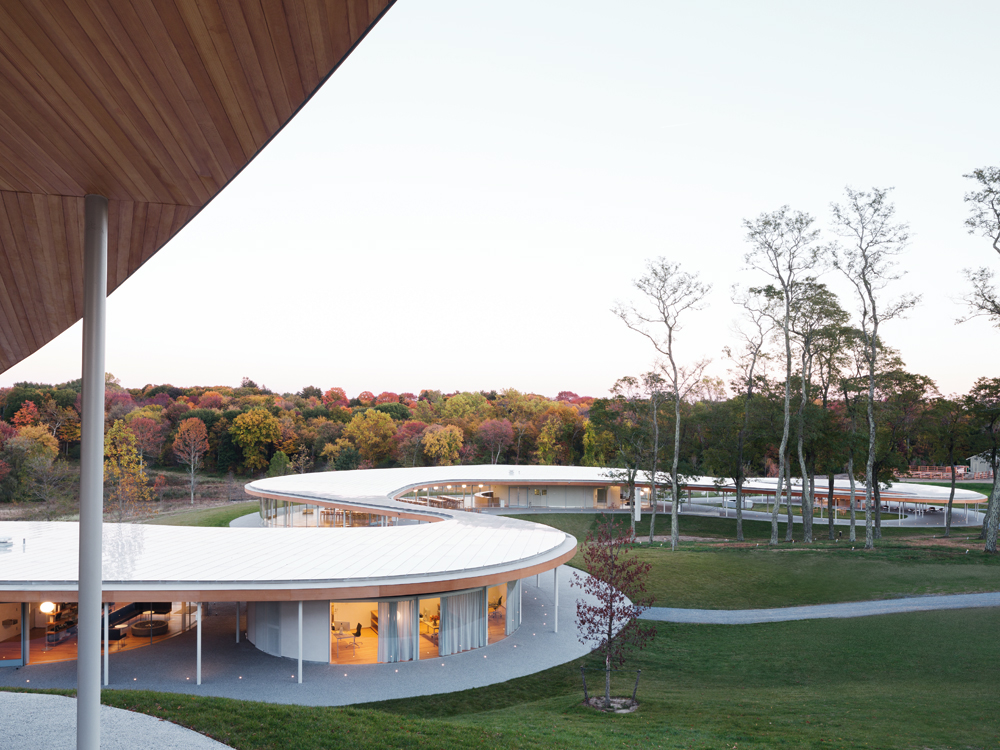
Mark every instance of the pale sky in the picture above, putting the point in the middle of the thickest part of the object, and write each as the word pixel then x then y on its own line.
pixel 462 203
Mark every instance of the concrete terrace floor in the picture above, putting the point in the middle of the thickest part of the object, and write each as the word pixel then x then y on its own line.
pixel 241 671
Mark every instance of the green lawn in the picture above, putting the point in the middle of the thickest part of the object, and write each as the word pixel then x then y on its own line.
pixel 207 516
pixel 714 576
pixel 984 487
pixel 898 681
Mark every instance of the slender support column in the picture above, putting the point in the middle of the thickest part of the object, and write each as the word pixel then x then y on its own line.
pixel 555 599
pixel 300 642
pixel 198 628
pixel 237 622
pixel 95 286
pixel 416 629
pixel 106 643
pixel 25 633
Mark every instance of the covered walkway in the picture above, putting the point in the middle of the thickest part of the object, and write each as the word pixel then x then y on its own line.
pixel 232 670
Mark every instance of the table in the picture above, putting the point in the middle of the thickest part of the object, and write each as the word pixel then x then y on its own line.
pixel 343 635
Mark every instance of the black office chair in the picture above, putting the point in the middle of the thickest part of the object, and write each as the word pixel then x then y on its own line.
pixel 357 633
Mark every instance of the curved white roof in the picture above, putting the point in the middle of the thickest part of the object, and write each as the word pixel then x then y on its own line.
pixel 458 550
pixel 378 485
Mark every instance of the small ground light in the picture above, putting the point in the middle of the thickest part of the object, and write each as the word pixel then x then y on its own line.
pixel 397 670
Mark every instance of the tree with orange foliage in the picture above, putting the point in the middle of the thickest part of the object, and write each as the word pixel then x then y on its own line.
pixel 387 397
pixel 190 446
pixel 366 398
pixel 27 415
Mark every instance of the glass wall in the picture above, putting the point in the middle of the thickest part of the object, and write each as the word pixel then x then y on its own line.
pixel 354 632
pixel 513 605
pixel 429 619
pixel 496 601
pixel 464 622
pixel 10 634
pixel 398 628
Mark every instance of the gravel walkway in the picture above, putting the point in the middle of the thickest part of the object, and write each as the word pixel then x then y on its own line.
pixel 48 722
pixel 822 611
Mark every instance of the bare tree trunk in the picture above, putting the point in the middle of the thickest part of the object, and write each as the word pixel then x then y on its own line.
pixel 993 516
pixel 675 529
pixel 656 455
pixel 607 681
pixel 806 495
pixel 631 504
pixel 830 513
pixel 850 476
pixel 951 496
pixel 790 527
pixel 870 462
pixel 878 510
pixel 787 424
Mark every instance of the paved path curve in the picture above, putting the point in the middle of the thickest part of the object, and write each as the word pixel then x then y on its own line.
pixel 33 720
pixel 822 611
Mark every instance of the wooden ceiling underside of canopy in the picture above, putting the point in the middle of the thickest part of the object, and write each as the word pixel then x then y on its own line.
pixel 155 104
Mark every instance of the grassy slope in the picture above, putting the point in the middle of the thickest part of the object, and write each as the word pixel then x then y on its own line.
pixel 713 576
pixel 207 516
pixel 898 681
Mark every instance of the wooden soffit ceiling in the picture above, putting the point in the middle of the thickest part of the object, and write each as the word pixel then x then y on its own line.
pixel 155 104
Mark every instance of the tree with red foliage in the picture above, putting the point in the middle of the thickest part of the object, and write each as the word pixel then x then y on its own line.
pixel 495 435
pixel 566 396
pixel 211 400
pixel 335 397
pixel 408 442
pixel 617 581
pixel 149 436
pixel 366 398
pixel 27 415
pixel 387 397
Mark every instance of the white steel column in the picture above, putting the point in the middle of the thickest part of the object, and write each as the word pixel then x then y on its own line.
pixel 95 287
pixel 555 599
pixel 106 640
pixel 237 622
pixel 198 628
pixel 25 633
pixel 300 641
pixel 416 629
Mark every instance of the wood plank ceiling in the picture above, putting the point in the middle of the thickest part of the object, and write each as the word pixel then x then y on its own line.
pixel 155 104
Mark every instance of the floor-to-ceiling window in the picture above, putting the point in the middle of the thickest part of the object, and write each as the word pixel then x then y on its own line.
pixel 354 632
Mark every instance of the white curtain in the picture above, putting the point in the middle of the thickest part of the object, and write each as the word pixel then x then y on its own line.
pixel 406 623
pixel 513 605
pixel 396 622
pixel 463 622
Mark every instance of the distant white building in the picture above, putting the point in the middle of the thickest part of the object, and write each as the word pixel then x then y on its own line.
pixel 979 464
